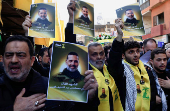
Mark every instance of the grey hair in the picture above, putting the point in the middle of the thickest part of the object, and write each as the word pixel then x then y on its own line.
pixel 93 44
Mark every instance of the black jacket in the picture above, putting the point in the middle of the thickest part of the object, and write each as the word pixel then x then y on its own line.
pixel 116 69
pixel 35 83
pixel 69 36
pixel 166 91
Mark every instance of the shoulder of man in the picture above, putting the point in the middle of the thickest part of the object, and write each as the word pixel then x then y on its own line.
pixel 37 78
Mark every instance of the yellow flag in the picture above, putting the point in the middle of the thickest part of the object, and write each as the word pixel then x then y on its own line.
pixel 22 4
pixel 62 30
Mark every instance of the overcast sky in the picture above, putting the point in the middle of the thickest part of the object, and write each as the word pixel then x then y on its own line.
pixel 105 8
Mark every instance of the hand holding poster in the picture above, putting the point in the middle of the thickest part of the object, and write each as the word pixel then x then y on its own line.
pixel 132 18
pixel 69 63
pixel 43 20
pixel 84 18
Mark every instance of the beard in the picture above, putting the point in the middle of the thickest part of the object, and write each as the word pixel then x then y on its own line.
pixel 42 18
pixel 159 70
pixel 94 63
pixel 71 70
pixel 22 76
pixel 130 18
pixel 130 61
pixel 45 64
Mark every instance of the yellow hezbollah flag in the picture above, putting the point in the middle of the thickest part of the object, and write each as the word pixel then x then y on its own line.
pixel 22 4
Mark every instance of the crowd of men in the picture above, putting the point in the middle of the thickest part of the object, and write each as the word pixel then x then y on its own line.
pixel 117 79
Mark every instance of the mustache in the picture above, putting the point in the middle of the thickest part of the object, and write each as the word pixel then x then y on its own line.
pixel 99 61
pixel 14 65
pixel 72 66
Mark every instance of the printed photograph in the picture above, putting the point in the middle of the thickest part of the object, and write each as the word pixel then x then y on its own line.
pixel 69 63
pixel 132 18
pixel 84 18
pixel 43 20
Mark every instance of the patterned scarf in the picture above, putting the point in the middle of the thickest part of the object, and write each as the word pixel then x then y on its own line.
pixel 160 92
pixel 131 92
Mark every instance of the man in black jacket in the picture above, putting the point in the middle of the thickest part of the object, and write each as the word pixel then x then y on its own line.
pixel 123 72
pixel 16 86
pixel 22 88
pixel 161 76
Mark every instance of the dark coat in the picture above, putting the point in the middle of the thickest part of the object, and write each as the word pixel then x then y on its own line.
pixel 116 69
pixel 42 23
pixel 35 83
pixel 84 20
pixel 69 36
pixel 131 22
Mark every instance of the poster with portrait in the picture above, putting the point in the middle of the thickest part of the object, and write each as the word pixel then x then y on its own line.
pixel 84 18
pixel 43 20
pixel 132 18
pixel 69 63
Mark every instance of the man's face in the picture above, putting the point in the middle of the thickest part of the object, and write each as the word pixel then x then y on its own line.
pixel 45 59
pixel 17 62
pixel 130 14
pixel 97 56
pixel 168 52
pixel 149 46
pixel 72 62
pixel 132 56
pixel 103 91
pixel 42 14
pixel 159 62
pixel 85 12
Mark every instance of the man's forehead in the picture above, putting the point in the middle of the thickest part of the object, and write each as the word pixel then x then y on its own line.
pixel 98 48
pixel 129 11
pixel 17 46
pixel 72 57
pixel 134 49
pixel 150 43
pixel 160 55
pixel 84 9
pixel 42 10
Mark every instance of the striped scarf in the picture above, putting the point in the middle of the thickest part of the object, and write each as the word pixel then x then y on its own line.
pixel 160 92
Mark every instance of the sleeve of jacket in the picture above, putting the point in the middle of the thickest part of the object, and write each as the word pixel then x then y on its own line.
pixel 91 105
pixel 9 108
pixel 69 36
pixel 116 68
pixel 153 90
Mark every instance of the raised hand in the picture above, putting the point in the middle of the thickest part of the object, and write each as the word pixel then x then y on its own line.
pixel 71 8
pixel 27 24
pixel 119 26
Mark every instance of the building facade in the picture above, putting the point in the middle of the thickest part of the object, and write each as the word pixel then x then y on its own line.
pixel 156 18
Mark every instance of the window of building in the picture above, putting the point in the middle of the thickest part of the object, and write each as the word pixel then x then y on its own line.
pixel 158 19
pixel 161 18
